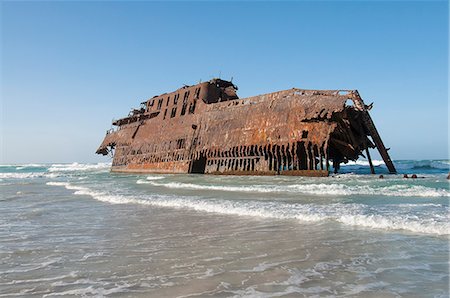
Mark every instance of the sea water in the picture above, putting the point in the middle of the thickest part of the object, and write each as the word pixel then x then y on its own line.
pixel 77 229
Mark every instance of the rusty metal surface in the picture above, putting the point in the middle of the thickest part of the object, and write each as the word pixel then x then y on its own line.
pixel 206 128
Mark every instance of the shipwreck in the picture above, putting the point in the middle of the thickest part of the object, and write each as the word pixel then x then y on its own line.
pixel 206 128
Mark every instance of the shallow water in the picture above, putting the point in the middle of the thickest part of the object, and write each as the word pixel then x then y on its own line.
pixel 76 229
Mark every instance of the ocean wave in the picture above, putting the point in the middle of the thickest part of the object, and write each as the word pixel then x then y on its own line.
pixel 422 164
pixel 149 178
pixel 364 163
pixel 73 167
pixel 21 175
pixel 316 189
pixel 349 214
pixel 395 222
pixel 55 183
pixel 31 165
pixel 155 177
pixel 98 195
pixel 400 190
pixel 418 165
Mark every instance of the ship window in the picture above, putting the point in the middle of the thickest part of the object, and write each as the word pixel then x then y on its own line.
pixel 185 100
pixel 175 99
pixel 160 101
pixel 174 112
pixel 192 107
pixel 186 95
pixel 183 109
pixel 167 103
pixel 165 113
pixel 197 92
pixel 304 134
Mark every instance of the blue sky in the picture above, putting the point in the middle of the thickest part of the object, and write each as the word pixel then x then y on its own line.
pixel 68 68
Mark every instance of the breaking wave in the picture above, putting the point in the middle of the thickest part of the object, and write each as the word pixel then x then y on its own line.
pixel 348 214
pixel 98 195
pixel 315 189
pixel 140 181
pixel 423 164
pixel 23 175
pixel 418 165
pixel 78 167
pixel 363 163
pixel 31 165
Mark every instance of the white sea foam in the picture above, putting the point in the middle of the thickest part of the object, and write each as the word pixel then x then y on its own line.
pixel 355 289
pixel 349 214
pixel 393 222
pixel 332 189
pixel 38 280
pixel 78 167
pixel 148 179
pixel 31 165
pixel 155 177
pixel 101 196
pixel 28 175
pixel 364 163
pixel 21 175
pixel 402 164
pixel 54 183
pixel 92 290
pixel 91 255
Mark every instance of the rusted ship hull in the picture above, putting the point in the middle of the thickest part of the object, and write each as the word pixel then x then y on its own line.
pixel 206 129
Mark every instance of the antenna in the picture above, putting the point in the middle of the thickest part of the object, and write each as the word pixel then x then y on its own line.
pixel 231 80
